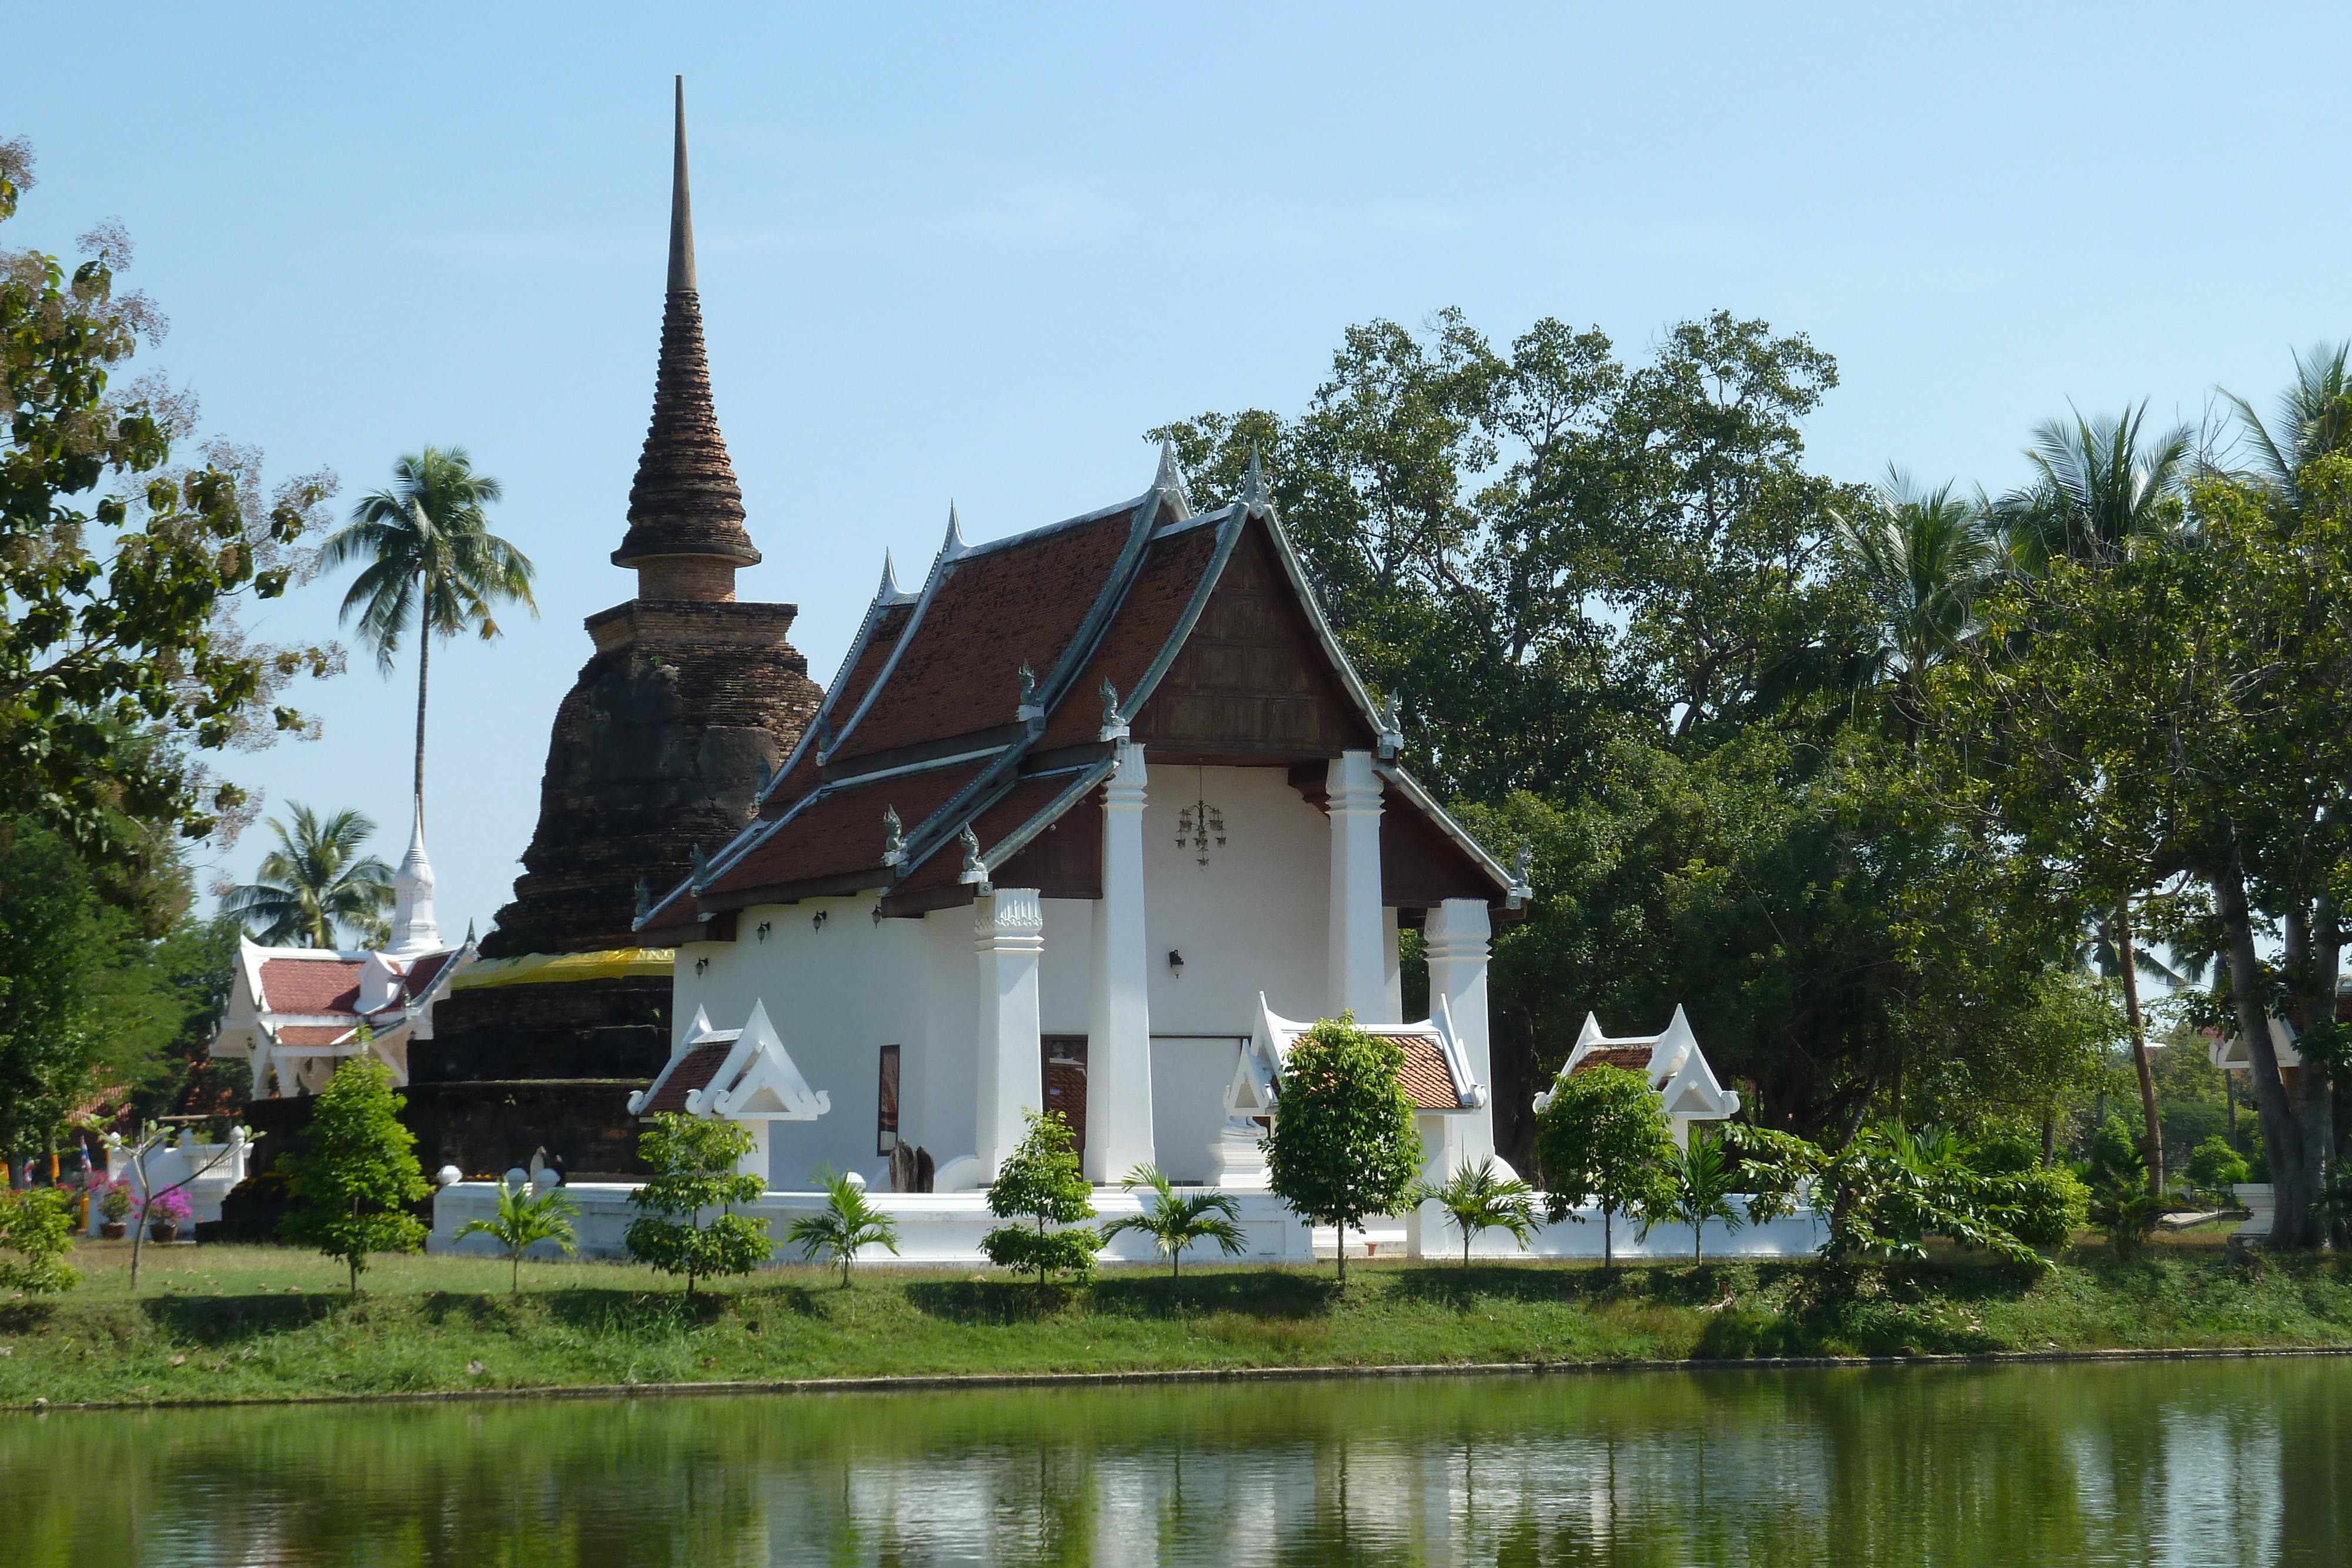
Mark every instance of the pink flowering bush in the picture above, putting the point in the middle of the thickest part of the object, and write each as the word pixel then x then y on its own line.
pixel 171 1207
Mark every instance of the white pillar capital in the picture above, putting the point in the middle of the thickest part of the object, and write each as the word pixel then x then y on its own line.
pixel 1008 937
pixel 1358 979
pixel 1119 1029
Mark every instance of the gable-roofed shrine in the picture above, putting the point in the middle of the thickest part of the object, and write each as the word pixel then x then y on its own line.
pixel 689 701
pixel 1084 816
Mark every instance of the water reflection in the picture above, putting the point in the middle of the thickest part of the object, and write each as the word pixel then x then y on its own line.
pixel 2203 1463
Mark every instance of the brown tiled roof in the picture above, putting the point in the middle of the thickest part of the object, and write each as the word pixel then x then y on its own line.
pixel 1147 618
pixel 313 1033
pixel 1631 1057
pixel 993 826
pixel 1424 1075
pixel 694 1071
pixel 421 973
pixel 993 610
pixel 310 985
pixel 843 831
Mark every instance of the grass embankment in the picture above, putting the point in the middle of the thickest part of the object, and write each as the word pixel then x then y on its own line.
pixel 241 1323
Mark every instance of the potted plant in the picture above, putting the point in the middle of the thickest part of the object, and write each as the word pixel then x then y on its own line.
pixel 165 1213
pixel 114 1205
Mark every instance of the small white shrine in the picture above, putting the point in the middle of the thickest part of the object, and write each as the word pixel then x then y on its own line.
pixel 1670 1061
pixel 296 1013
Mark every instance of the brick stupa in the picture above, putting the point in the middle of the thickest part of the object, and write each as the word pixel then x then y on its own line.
pixel 690 701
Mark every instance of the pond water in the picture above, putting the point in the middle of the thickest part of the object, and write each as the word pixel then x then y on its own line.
pixel 2173 1463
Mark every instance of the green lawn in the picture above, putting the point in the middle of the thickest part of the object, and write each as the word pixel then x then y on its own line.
pixel 226 1322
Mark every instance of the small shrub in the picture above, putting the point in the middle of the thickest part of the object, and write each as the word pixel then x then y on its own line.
pixel 1041 1182
pixel 523 1221
pixel 1174 1223
pixel 358 1170
pixel 694 1169
pixel 1601 1136
pixel 113 1200
pixel 2213 1168
pixel 849 1223
pixel 1343 1146
pixel 1477 1200
pixel 37 1225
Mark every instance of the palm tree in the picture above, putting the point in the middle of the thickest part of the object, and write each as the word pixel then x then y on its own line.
pixel 2098 485
pixel 432 562
pixel 523 1221
pixel 2315 419
pixel 1478 1200
pixel 1175 1223
pixel 848 1222
pixel 1922 559
pixel 313 881
pixel 1699 1185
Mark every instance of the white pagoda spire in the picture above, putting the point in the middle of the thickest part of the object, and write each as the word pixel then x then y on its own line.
pixel 413 929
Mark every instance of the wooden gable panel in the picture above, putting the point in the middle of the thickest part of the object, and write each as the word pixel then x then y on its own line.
pixel 1252 682
pixel 1420 865
pixel 1063 862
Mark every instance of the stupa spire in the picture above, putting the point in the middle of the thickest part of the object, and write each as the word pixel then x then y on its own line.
pixel 685 536
pixel 413 929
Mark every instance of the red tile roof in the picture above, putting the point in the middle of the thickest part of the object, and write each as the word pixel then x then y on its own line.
pixel 310 985
pixel 1631 1057
pixel 312 1033
pixel 993 826
pixel 1424 1075
pixel 1148 617
pixel 843 831
pixel 994 609
pixel 420 973
pixel 694 1071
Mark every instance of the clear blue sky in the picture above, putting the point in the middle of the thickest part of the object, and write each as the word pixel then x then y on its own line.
pixel 973 253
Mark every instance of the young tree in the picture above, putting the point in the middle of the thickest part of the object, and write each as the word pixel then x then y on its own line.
pixel 1478 1200
pixel 1175 1223
pixel 694 1159
pixel 1602 1139
pixel 2214 1167
pixel 37 1225
pixel 432 562
pixel 523 1221
pixel 848 1222
pixel 357 1171
pixel 1699 1183
pixel 1041 1182
pixel 1343 1146
pixel 314 881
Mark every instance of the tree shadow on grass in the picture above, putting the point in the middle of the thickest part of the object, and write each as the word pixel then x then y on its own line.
pixel 1269 1294
pixel 1461 1286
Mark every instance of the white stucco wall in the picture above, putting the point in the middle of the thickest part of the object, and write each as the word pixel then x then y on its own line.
pixel 1252 919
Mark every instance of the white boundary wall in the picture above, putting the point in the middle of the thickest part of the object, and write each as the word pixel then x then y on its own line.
pixel 945 1228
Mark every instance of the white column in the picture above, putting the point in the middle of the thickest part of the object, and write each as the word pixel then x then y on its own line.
pixel 1392 970
pixel 1457 936
pixel 1356 974
pixel 1118 1037
pixel 1008 935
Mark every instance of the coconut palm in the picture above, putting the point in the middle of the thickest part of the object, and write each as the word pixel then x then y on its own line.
pixel 523 1221
pixel 2315 419
pixel 2099 484
pixel 1922 557
pixel 1699 1185
pixel 314 881
pixel 431 562
pixel 1479 1200
pixel 1175 1223
pixel 848 1222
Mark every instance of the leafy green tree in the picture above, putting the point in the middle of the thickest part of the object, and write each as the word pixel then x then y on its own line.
pixel 356 1173
pixel 1699 1182
pixel 315 882
pixel 849 1223
pixel 1477 1198
pixel 1174 1223
pixel 48 1044
pixel 431 562
pixel 123 573
pixel 523 1221
pixel 1343 1146
pixel 2122 1203
pixel 1041 1182
pixel 2214 1167
pixel 694 1161
pixel 37 1225
pixel 1890 1189
pixel 1603 1138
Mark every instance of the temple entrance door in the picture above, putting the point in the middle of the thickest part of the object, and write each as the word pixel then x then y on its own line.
pixel 1066 1081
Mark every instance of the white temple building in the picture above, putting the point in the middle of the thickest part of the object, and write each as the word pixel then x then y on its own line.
pixel 1089 820
pixel 1669 1061
pixel 296 1013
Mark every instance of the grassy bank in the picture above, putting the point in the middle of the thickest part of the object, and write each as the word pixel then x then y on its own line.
pixel 227 1322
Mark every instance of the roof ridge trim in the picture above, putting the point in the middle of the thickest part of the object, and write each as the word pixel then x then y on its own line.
pixel 1229 535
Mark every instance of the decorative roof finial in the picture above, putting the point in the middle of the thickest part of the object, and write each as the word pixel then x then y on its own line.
pixel 1391 726
pixel 975 870
pixel 767 773
pixel 954 545
pixel 1522 889
pixel 822 730
pixel 1256 502
pixel 1030 708
pixel 644 899
pixel 894 837
pixel 1170 481
pixel 681 209
pixel 700 863
pixel 889 588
